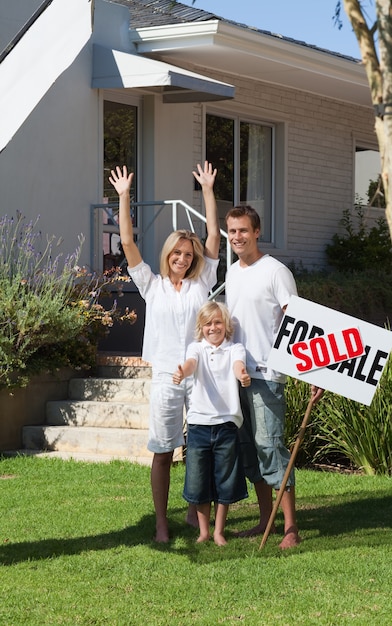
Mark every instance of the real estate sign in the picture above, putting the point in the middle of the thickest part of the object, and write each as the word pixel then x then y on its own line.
pixel 331 350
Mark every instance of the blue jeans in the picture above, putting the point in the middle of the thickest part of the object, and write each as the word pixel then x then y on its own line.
pixel 214 472
pixel 264 455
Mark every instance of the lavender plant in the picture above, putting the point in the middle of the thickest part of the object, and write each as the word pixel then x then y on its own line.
pixel 50 315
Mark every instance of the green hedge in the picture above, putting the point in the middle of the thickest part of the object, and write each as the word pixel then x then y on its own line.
pixel 366 295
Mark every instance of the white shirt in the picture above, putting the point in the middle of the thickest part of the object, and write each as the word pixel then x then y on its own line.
pixel 255 297
pixel 171 314
pixel 215 396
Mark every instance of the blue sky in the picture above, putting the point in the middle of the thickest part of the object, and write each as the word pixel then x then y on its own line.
pixel 305 20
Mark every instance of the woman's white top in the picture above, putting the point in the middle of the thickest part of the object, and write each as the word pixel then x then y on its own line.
pixel 171 314
pixel 215 396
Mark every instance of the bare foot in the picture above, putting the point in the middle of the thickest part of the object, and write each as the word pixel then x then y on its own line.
pixel 259 529
pixel 191 517
pixel 219 539
pixel 203 538
pixel 291 539
pixel 162 533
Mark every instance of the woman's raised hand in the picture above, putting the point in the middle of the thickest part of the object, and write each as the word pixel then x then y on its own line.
pixel 121 180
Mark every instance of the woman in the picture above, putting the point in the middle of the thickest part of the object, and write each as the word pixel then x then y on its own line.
pixel 173 299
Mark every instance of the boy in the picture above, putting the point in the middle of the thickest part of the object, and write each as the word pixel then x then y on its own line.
pixel 213 468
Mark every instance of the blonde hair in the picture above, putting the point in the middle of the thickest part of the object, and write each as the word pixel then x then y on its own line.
pixel 171 243
pixel 205 315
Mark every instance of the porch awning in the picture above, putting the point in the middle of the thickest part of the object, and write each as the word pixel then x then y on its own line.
pixel 113 69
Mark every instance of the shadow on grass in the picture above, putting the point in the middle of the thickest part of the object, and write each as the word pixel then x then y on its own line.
pixel 360 521
pixel 353 515
pixel 130 536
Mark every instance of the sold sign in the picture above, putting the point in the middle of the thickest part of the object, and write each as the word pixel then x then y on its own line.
pixel 328 349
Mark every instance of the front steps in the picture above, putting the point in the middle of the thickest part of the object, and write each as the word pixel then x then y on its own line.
pixel 104 418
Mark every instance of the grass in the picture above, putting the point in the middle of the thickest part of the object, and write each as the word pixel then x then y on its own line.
pixel 76 548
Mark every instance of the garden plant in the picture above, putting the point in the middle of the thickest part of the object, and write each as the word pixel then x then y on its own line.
pixel 343 434
pixel 51 311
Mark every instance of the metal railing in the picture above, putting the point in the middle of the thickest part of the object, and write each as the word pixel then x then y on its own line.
pixel 108 224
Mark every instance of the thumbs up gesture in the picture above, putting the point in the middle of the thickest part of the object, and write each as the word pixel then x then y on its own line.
pixel 244 378
pixel 178 375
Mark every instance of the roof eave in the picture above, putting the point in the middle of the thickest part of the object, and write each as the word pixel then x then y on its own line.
pixel 216 44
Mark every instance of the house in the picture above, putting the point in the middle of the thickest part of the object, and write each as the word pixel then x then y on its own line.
pixel 161 88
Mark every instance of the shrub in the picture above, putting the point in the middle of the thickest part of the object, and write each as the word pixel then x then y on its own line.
pixel 50 315
pixel 343 432
pixel 362 434
pixel 360 248
pixel 366 295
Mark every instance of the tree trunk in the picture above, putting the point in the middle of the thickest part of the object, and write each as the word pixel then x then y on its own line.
pixel 379 75
pixel 384 18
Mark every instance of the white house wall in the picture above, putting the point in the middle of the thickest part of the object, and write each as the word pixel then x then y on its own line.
pixel 168 161
pixel 52 166
pixel 12 20
pixel 48 47
pixel 57 156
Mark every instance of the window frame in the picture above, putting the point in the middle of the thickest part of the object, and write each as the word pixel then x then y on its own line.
pixel 278 167
pixel 117 97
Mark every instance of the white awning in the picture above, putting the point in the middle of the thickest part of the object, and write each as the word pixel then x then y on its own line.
pixel 113 69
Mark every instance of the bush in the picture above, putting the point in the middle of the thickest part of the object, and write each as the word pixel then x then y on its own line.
pixel 366 295
pixel 362 434
pixel 360 249
pixel 50 314
pixel 343 432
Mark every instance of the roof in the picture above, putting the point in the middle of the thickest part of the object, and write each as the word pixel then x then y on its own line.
pixel 178 34
pixel 150 13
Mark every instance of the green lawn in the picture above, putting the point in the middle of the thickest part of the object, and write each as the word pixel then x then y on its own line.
pixel 76 548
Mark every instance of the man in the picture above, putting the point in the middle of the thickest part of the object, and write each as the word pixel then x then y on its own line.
pixel 258 289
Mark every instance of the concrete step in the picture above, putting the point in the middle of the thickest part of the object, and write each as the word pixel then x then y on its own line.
pixel 116 366
pixel 89 413
pixel 110 389
pixel 114 442
pixel 104 417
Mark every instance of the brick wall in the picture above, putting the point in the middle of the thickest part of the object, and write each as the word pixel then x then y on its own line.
pixel 319 157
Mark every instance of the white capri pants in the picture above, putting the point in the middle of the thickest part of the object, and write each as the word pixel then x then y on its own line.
pixel 167 404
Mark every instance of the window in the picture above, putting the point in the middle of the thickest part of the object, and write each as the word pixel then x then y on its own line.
pixel 367 173
pixel 120 148
pixel 243 153
pixel 120 142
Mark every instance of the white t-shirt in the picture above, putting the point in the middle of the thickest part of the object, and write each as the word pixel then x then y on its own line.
pixel 215 397
pixel 170 314
pixel 255 296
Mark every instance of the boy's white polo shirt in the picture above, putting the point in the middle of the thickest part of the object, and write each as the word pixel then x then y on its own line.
pixel 215 396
